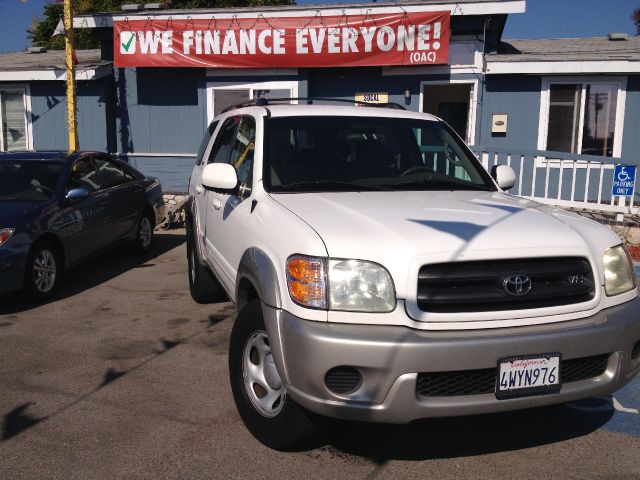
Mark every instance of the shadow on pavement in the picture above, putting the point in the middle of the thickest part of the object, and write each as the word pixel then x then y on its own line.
pixel 95 272
pixel 442 438
pixel 16 421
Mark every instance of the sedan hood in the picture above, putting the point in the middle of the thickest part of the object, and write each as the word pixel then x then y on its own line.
pixel 402 229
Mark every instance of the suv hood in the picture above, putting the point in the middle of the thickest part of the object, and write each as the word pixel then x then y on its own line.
pixel 402 229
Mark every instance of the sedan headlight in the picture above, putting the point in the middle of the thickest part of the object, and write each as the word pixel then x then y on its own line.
pixel 619 274
pixel 338 284
pixel 5 234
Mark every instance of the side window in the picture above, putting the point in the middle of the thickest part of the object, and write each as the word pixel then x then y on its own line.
pixel 112 174
pixel 224 141
pixel 83 175
pixel 243 148
pixel 205 141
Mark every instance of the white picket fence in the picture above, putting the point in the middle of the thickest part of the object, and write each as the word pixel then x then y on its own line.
pixel 563 179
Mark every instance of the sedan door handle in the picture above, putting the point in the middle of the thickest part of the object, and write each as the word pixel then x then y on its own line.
pixel 216 203
pixel 199 189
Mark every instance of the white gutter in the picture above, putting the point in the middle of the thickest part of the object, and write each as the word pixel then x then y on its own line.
pixel 563 67
pixel 105 20
pixel 54 74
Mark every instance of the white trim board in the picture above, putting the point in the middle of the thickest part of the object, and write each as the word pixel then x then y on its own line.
pixel 213 73
pixel 479 8
pixel 27 109
pixel 54 74
pixel 561 67
pixel 473 103
pixel 543 122
pixel 212 85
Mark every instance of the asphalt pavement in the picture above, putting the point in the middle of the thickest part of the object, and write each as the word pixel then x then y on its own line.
pixel 122 375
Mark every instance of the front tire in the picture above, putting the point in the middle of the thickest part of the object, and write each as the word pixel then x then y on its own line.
pixel 42 271
pixel 267 411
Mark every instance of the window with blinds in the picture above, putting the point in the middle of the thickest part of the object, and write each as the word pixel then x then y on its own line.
pixel 13 117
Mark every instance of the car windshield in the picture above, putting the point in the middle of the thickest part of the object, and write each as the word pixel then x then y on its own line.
pixel 313 154
pixel 28 180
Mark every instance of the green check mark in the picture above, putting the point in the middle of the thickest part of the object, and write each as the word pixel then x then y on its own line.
pixel 128 44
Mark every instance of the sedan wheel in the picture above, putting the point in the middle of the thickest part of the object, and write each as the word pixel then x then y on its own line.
pixel 144 236
pixel 45 271
pixel 42 271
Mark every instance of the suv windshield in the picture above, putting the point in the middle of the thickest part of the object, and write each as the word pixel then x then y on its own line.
pixel 28 180
pixel 312 154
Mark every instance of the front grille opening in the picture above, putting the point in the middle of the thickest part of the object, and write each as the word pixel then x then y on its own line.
pixel 481 382
pixel 495 285
pixel 635 352
pixel 343 380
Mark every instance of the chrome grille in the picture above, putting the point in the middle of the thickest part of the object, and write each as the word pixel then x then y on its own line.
pixel 480 286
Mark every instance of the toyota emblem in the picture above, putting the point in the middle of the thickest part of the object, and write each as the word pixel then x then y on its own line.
pixel 517 284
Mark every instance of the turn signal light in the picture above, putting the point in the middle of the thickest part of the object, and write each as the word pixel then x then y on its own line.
pixel 5 234
pixel 306 280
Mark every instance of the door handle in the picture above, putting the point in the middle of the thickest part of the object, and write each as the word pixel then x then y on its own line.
pixel 199 189
pixel 216 203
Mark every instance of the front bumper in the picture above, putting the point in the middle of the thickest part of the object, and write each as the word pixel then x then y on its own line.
pixel 390 358
pixel 11 270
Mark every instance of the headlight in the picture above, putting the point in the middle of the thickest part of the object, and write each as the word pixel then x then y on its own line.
pixel 619 275
pixel 5 234
pixel 337 284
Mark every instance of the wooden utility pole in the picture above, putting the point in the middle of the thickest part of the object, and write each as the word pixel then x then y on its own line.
pixel 71 77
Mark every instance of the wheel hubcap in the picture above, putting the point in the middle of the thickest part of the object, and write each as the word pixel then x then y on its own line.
pixel 261 379
pixel 145 232
pixel 44 271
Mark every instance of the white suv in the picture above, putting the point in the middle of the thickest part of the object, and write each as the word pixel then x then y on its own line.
pixel 381 274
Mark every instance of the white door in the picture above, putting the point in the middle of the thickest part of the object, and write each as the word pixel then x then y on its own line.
pixel 227 213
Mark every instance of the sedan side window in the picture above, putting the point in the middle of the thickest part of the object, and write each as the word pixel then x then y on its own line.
pixel 112 174
pixel 84 175
pixel 224 141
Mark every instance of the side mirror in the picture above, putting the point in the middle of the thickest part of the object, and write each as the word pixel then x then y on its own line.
pixel 220 177
pixel 504 176
pixel 77 193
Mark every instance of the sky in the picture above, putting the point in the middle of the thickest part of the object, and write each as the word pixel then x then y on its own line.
pixel 543 19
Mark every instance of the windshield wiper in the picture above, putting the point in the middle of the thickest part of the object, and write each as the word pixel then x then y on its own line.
pixel 437 184
pixel 326 185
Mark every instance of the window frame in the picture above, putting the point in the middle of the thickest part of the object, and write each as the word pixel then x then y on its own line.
pixel 26 100
pixel 545 96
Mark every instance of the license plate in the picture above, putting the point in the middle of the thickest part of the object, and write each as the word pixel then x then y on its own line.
pixel 528 375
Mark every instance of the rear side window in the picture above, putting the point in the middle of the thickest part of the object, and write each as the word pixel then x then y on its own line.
pixel 112 174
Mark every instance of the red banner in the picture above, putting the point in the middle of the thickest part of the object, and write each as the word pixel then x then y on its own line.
pixel 348 40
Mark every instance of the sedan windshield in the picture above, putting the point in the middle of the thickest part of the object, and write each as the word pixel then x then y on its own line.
pixel 28 180
pixel 320 154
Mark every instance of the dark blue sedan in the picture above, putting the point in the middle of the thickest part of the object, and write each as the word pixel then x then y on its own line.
pixel 59 209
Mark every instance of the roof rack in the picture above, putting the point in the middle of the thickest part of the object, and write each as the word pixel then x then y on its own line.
pixel 264 102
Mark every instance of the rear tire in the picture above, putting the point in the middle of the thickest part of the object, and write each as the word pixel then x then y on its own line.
pixel 203 286
pixel 144 234
pixel 267 411
pixel 42 271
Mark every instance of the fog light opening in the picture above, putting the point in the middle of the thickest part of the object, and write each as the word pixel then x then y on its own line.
pixel 343 380
pixel 635 351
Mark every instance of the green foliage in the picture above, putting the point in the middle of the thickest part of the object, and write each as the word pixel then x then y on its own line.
pixel 40 33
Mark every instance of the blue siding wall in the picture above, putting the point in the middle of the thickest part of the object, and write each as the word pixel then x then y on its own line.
pixel 49 115
pixel 161 111
pixel 631 134
pixel 517 96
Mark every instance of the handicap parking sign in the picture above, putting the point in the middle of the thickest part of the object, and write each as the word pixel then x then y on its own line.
pixel 624 180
